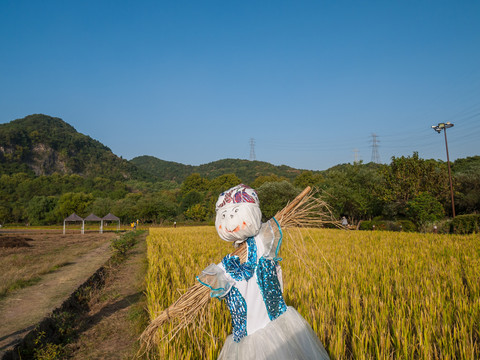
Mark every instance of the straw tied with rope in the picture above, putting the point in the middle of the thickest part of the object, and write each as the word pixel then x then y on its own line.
pixel 306 210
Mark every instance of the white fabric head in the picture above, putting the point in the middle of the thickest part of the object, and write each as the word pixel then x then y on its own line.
pixel 238 214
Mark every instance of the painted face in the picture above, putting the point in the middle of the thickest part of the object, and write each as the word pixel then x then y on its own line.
pixel 238 222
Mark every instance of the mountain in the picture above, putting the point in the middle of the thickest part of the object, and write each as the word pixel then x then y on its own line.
pixel 246 170
pixel 42 145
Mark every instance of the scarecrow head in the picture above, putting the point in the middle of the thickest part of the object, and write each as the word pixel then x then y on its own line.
pixel 238 214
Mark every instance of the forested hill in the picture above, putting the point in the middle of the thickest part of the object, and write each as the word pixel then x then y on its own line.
pixel 246 170
pixel 44 145
pixel 161 169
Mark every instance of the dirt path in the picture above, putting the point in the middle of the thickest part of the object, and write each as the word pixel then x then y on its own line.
pixel 23 309
pixel 111 328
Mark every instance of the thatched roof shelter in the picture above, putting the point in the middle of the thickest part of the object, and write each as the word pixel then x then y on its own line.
pixel 111 217
pixel 93 217
pixel 73 218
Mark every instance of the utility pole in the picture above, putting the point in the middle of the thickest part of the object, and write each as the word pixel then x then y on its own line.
pixel 438 128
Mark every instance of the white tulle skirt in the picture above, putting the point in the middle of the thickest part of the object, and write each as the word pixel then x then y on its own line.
pixel 288 337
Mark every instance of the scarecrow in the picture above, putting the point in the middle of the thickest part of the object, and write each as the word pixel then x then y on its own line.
pixel 249 281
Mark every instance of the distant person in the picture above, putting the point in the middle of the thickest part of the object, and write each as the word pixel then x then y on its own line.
pixel 132 225
pixel 344 221
pixel 174 224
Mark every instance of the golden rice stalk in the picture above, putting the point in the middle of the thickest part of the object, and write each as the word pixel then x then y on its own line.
pixel 306 210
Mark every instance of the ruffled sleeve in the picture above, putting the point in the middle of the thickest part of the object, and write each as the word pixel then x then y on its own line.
pixel 270 236
pixel 214 277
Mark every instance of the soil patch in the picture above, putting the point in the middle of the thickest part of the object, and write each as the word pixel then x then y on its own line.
pixel 14 241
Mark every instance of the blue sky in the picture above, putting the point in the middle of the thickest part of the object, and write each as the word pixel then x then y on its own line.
pixel 194 81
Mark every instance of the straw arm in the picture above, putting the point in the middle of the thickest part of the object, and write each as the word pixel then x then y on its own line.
pixel 294 203
pixel 185 310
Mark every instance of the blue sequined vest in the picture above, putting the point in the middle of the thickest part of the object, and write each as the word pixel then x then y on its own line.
pixel 267 281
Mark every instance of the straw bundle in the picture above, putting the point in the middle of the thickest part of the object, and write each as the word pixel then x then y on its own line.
pixel 306 210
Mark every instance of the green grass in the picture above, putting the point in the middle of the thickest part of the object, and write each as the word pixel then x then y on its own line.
pixel 20 284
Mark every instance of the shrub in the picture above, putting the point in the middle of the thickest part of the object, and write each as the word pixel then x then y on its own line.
pixel 122 244
pixel 401 225
pixel 365 225
pixel 407 225
pixel 466 224
pixel 369 225
pixel 445 227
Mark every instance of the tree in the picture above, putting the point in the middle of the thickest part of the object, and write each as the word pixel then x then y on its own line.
pixel 274 196
pixel 126 208
pixel 74 203
pixel 197 212
pixel 189 199
pixel 5 213
pixel 102 206
pixel 308 178
pixel 40 210
pixel 407 177
pixel 155 208
pixel 262 179
pixel 194 182
pixel 467 191
pixel 467 184
pixel 424 209
pixel 352 191
pixel 119 191
pixel 223 182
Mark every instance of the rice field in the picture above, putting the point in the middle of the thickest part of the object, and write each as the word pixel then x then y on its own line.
pixel 367 295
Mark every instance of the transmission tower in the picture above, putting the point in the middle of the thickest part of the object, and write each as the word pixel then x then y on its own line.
pixel 355 161
pixel 375 154
pixel 252 149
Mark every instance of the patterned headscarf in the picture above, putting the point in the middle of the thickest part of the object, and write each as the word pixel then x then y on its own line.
pixel 237 195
